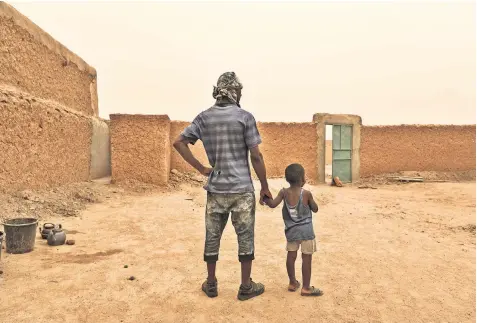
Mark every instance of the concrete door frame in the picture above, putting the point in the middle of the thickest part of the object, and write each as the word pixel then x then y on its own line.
pixel 324 119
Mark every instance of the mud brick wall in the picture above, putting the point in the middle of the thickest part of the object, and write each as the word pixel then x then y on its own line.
pixel 282 144
pixel 387 149
pixel 41 143
pixel 49 107
pixel 33 62
pixel 287 143
pixel 177 162
pixel 140 148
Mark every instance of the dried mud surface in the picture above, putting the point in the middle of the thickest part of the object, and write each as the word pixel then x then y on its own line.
pixel 398 253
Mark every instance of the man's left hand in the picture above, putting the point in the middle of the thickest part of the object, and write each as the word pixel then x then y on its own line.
pixel 265 192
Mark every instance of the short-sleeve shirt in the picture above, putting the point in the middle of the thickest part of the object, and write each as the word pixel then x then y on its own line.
pixel 228 133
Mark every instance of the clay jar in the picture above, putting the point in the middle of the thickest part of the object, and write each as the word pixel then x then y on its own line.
pixel 47 227
pixel 56 237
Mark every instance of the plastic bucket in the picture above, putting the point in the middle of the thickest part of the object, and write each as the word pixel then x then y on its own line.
pixel 20 234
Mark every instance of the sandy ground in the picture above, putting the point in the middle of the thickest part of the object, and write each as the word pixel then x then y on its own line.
pixel 393 254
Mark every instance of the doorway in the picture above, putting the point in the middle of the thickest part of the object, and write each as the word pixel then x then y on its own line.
pixel 349 127
pixel 342 146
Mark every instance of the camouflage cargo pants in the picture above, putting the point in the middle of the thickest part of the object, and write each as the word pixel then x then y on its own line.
pixel 242 208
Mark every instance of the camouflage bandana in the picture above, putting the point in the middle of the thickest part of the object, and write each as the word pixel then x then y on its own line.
pixel 227 87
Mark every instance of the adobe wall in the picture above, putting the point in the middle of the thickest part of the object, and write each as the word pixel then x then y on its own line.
pixel 387 149
pixel 33 62
pixel 41 143
pixel 49 110
pixel 177 162
pixel 283 144
pixel 287 143
pixel 140 148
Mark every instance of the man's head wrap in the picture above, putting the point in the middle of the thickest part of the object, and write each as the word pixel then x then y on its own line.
pixel 228 87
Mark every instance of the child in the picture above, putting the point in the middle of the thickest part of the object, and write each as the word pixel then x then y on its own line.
pixel 297 207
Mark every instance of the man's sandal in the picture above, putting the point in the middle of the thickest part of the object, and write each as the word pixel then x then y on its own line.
pixel 251 291
pixel 210 288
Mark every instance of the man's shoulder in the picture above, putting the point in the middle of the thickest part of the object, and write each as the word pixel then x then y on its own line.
pixel 245 114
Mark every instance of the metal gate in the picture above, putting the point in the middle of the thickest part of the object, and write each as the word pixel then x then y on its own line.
pixel 342 146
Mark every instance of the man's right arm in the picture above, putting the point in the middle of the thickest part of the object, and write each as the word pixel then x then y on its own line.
pixel 259 166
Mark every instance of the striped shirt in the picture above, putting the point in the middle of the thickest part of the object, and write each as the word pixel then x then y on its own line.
pixel 228 133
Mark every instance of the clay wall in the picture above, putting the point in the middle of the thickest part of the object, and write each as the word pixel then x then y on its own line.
pixel 283 144
pixel 287 143
pixel 49 109
pixel 33 62
pixel 177 162
pixel 387 149
pixel 140 148
pixel 41 143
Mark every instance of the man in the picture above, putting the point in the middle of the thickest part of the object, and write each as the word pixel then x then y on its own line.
pixel 228 134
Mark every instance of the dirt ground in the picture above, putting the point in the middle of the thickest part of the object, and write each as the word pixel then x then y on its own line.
pixel 398 253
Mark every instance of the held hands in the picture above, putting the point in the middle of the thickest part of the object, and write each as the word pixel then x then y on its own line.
pixel 265 196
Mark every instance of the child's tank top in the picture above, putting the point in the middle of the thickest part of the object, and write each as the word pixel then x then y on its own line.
pixel 298 220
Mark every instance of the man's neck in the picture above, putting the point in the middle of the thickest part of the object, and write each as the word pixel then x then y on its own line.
pixel 225 102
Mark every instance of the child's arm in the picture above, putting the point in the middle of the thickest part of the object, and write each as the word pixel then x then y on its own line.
pixel 312 203
pixel 276 201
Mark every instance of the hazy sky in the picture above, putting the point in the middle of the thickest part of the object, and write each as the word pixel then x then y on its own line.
pixel 390 63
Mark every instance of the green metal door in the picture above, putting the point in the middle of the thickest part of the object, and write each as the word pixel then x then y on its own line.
pixel 342 145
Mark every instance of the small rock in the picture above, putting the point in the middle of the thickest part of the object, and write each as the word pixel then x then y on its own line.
pixel 175 172
pixel 131 278
pixel 1 272
pixel 197 178
pixel 70 242
pixel 126 266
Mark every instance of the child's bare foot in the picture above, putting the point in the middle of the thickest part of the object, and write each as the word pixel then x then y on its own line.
pixel 312 291
pixel 293 286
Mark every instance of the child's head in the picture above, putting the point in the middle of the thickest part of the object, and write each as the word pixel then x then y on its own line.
pixel 295 175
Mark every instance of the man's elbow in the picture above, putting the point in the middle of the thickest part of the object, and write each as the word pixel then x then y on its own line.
pixel 256 157
pixel 178 144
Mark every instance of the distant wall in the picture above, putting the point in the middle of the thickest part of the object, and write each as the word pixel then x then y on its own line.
pixel 387 149
pixel 41 144
pixel 282 144
pixel 177 162
pixel 140 148
pixel 33 62
pixel 287 143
